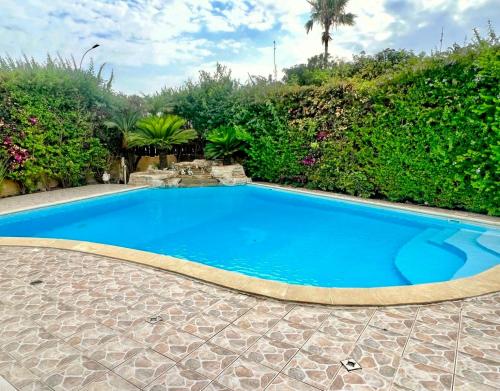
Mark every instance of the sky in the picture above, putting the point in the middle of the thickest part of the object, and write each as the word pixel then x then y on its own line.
pixel 150 44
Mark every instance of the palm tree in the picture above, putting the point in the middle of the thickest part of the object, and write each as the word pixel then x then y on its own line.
pixel 161 132
pixel 328 13
pixel 226 141
pixel 124 122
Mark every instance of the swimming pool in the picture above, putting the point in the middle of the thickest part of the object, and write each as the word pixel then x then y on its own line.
pixel 274 234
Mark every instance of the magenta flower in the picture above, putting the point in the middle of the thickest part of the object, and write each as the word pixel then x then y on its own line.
pixel 322 135
pixel 33 120
pixel 309 161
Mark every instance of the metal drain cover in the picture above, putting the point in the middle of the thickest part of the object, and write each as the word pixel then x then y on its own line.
pixel 350 364
pixel 36 282
pixel 154 319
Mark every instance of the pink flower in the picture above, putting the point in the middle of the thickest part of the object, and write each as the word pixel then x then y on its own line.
pixel 33 120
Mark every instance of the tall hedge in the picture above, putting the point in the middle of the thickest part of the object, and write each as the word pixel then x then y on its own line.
pixel 56 114
pixel 428 134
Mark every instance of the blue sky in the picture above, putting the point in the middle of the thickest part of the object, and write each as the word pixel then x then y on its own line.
pixel 154 43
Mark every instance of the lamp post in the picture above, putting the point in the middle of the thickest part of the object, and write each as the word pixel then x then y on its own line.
pixel 84 54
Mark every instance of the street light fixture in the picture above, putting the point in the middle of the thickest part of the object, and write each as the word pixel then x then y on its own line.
pixel 84 54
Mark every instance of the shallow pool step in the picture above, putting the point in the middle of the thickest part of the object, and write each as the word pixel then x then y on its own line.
pixel 490 241
pixel 427 254
pixel 478 258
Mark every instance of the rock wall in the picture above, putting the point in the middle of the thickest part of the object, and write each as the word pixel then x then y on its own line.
pixel 189 174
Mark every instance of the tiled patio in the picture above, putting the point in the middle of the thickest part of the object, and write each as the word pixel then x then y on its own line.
pixel 70 320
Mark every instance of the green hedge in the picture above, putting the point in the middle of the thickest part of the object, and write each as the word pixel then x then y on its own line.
pixel 428 134
pixel 56 114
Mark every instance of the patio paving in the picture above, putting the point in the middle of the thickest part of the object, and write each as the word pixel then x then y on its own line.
pixel 71 321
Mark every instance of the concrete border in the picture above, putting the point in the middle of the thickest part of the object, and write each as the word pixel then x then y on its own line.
pixel 480 284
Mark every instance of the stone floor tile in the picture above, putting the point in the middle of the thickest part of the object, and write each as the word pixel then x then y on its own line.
pixel 433 317
pixel 286 383
pixel 235 338
pixel 67 324
pixel 258 322
pixel 75 375
pixel 13 328
pixel 177 344
pixel 152 304
pixel 227 310
pixel 179 379
pixel 347 329
pixel 479 370
pixel 209 360
pixel 115 351
pixel 489 312
pixel 485 347
pixel 27 342
pixel 179 314
pixel 361 315
pixel 35 386
pixel 430 354
pixel 122 319
pixel 463 384
pixel 199 300
pixel 383 362
pixel 215 386
pixel 415 376
pixel 328 346
pixel 50 356
pixel 16 374
pixel 318 371
pixel 90 335
pixel 308 316
pixel 393 321
pixel 444 336
pixel 292 333
pixel 149 334
pixel 271 353
pixel 479 328
pixel 358 380
pixel 277 308
pixel 204 326
pixel 110 382
pixel 245 375
pixel 50 312
pixel 145 366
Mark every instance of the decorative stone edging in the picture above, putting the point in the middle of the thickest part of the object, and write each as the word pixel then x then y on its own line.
pixel 480 284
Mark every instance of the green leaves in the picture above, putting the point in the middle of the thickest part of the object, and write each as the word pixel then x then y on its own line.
pixel 225 141
pixel 162 132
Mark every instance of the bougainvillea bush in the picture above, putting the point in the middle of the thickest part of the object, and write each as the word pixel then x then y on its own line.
pixel 51 123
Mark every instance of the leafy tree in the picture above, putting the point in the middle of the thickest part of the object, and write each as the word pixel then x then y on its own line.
pixel 225 141
pixel 161 132
pixel 329 14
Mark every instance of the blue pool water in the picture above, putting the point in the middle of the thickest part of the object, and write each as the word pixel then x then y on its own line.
pixel 273 234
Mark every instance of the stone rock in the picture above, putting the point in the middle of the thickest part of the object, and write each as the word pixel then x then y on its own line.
pixel 9 188
pixel 147 162
pixel 187 174
pixel 233 174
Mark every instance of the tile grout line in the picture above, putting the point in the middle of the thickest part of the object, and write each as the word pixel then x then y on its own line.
pixel 456 349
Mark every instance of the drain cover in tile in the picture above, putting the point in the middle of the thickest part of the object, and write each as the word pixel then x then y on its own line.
pixel 154 319
pixel 350 364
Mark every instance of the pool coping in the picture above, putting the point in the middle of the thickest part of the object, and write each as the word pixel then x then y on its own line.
pixel 480 284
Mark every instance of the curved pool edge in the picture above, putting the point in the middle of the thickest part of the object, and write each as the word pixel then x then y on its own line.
pixel 480 284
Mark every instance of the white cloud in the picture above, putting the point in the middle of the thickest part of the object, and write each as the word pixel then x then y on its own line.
pixel 165 40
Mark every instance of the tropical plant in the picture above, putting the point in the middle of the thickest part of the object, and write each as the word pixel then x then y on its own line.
pixel 329 14
pixel 161 132
pixel 225 141
pixel 124 122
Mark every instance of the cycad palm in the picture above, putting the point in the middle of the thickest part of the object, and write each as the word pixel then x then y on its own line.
pixel 329 13
pixel 162 133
